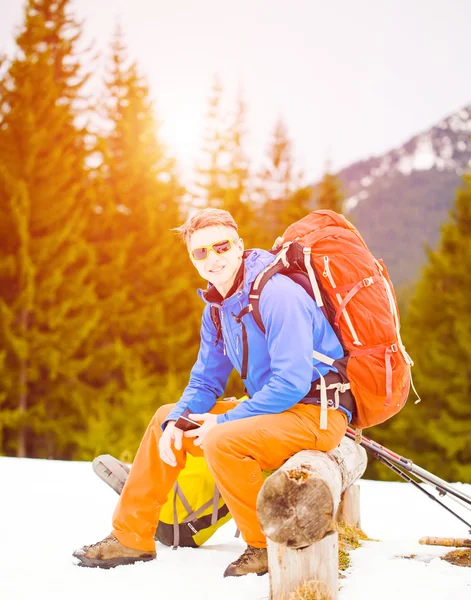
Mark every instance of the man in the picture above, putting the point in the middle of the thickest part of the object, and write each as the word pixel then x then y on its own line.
pixel 238 440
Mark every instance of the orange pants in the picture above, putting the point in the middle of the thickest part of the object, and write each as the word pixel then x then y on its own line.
pixel 236 453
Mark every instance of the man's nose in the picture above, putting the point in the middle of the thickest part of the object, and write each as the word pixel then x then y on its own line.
pixel 212 257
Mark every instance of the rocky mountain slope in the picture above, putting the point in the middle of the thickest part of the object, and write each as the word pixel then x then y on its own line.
pixel 399 200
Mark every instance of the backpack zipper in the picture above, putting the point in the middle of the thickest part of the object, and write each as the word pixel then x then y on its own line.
pixel 327 273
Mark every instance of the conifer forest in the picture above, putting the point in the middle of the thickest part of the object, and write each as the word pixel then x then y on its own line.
pixel 99 316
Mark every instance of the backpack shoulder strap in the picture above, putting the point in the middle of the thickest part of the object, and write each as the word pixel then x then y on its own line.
pixel 257 288
pixel 293 265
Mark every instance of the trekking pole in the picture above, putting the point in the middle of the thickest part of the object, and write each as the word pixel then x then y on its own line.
pixel 442 486
pixel 409 479
pixel 398 464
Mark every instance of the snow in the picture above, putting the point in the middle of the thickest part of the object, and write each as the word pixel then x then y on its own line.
pixel 423 158
pixel 351 202
pixel 460 122
pixel 383 167
pixel 446 150
pixel 50 508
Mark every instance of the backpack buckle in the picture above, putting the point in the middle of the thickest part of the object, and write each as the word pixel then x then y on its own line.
pixel 394 348
pixel 368 281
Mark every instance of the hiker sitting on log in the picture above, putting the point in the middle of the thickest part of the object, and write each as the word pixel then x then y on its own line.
pixel 286 367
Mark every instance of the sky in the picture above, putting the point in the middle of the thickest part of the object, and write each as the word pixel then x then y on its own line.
pixel 50 508
pixel 351 79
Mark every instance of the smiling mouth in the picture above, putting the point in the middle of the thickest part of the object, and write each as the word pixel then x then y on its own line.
pixel 218 270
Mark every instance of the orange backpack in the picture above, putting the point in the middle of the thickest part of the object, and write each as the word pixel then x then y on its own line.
pixel 355 293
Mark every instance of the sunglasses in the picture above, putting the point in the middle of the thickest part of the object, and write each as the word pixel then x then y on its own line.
pixel 220 247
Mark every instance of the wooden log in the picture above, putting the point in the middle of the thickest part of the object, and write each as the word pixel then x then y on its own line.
pixel 289 568
pixel 298 503
pixel 450 542
pixel 349 508
pixel 297 508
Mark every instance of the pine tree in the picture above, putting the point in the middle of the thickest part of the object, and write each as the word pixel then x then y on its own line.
pixel 144 278
pixel 279 185
pixel 236 190
pixel 15 290
pixel 146 199
pixel 211 180
pixel 279 176
pixel 238 163
pixel 328 193
pixel 437 331
pixel 295 207
pixel 47 301
pixel 223 177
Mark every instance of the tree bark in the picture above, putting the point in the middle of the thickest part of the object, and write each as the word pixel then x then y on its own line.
pixel 23 391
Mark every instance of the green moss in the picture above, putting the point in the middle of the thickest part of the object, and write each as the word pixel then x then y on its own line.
pixel 349 539
pixel 460 558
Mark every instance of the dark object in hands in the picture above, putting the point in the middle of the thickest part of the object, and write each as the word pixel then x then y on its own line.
pixel 186 424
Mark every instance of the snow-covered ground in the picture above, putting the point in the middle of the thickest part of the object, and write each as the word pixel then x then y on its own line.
pixel 50 508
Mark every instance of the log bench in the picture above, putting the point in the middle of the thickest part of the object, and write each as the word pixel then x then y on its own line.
pixel 298 508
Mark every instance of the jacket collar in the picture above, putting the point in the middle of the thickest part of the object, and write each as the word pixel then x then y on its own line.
pixel 254 261
pixel 213 295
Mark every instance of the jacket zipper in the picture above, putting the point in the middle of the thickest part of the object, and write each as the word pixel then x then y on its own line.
pixel 229 344
pixel 222 333
pixel 327 273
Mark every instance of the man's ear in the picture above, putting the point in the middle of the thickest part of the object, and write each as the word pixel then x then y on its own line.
pixel 240 243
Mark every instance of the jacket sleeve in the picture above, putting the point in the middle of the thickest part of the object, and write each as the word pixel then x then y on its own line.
pixel 289 316
pixel 208 376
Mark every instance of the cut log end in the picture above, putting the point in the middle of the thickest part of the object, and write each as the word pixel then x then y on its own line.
pixel 293 514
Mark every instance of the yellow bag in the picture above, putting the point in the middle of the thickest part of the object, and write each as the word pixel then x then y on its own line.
pixel 194 509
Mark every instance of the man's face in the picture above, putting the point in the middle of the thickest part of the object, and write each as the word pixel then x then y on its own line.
pixel 218 269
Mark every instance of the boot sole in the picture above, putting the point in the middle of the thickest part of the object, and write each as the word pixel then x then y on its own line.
pixel 243 574
pixel 111 562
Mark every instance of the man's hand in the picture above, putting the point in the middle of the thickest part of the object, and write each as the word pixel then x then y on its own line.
pixel 170 434
pixel 209 421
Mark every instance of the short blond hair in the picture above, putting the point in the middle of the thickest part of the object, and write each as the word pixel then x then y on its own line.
pixel 207 217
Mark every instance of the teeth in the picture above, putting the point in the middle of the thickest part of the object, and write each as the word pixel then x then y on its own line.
pixel 217 270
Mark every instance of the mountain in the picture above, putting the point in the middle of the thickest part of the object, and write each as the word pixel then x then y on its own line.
pixel 399 200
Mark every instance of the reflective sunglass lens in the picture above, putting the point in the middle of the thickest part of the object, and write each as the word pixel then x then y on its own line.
pixel 222 247
pixel 218 247
pixel 200 253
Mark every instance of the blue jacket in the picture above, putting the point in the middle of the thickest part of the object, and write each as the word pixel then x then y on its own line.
pixel 280 363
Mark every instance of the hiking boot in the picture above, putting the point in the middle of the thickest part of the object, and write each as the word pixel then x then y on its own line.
pixel 253 560
pixel 110 553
